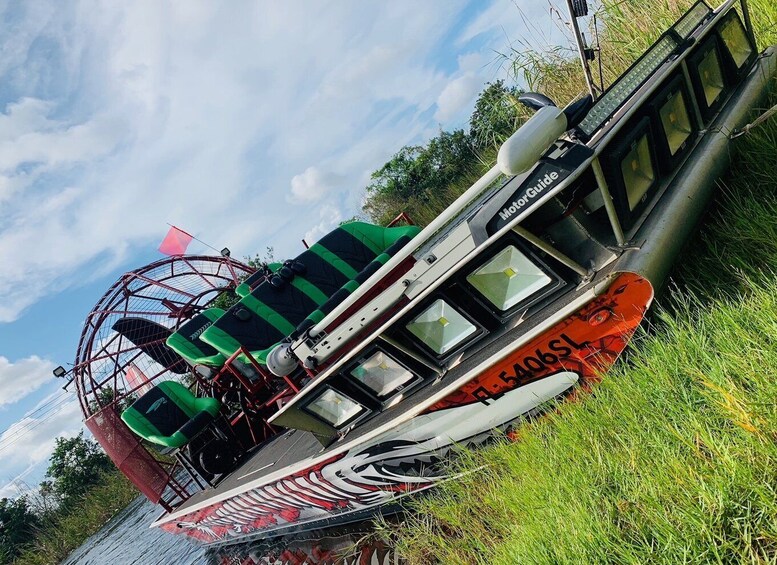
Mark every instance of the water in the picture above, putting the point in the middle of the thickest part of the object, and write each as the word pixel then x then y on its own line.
pixel 127 538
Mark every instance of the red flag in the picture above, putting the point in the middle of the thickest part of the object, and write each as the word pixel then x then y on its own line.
pixel 175 242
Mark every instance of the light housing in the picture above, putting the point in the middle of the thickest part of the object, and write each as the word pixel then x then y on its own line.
pixel 617 94
pixel 692 19
pixel 708 78
pixel 674 39
pixel 382 374
pixel 59 372
pixel 674 123
pixel 630 165
pixel 441 328
pixel 335 408
pixel 738 51
pixel 508 278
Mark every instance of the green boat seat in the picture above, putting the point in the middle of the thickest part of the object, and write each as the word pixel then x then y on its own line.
pixel 170 414
pixel 338 297
pixel 245 288
pixel 187 343
pixel 263 318
pixel 306 289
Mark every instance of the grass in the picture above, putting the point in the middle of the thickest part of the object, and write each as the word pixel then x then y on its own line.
pixel 672 458
pixel 670 461
pixel 56 540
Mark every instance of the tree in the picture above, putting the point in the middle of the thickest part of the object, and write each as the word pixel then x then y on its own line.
pixel 17 527
pixel 416 175
pixel 75 465
pixel 496 116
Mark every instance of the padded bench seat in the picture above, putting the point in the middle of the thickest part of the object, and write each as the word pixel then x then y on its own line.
pixel 302 293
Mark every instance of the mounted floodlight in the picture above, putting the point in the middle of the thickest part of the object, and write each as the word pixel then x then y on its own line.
pixel 440 327
pixel 508 278
pixel 335 408
pixel 630 165
pixel 382 374
pixel 637 170
pixel 674 123
pixel 60 372
pixel 707 77
pixel 226 252
pixel 739 52
pixel 712 77
pixel 524 148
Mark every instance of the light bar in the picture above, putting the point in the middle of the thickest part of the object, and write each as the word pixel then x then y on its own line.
pixel 440 327
pixel 508 279
pixel 628 84
pixel 692 19
pixel 335 408
pixel 382 374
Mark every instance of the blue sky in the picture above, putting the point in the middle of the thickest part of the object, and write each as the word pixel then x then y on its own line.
pixel 246 123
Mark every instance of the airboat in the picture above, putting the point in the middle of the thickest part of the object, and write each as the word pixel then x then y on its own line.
pixel 338 380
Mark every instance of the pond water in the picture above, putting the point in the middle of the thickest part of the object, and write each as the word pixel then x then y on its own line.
pixel 127 538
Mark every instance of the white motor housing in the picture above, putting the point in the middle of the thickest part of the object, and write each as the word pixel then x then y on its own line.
pixel 281 361
pixel 522 149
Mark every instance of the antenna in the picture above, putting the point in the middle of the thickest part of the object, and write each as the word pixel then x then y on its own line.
pixel 578 9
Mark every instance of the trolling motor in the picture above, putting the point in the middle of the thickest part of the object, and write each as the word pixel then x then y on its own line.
pixel 522 149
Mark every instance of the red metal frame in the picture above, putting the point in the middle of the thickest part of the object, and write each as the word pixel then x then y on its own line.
pixel 402 217
pixel 167 292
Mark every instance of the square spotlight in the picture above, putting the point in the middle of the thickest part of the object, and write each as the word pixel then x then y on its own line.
pixel 383 375
pixel 738 51
pixel 674 123
pixel 637 171
pixel 508 278
pixel 711 77
pixel 335 408
pixel 440 327
pixel 630 167
pixel 708 78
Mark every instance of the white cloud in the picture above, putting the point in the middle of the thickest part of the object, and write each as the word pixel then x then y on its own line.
pixel 141 115
pixel 198 115
pixel 27 444
pixel 19 379
pixel 519 24
pixel 329 218
pixel 312 185
pixel 457 96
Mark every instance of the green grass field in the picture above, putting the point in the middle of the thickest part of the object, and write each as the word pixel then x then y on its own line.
pixel 673 458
